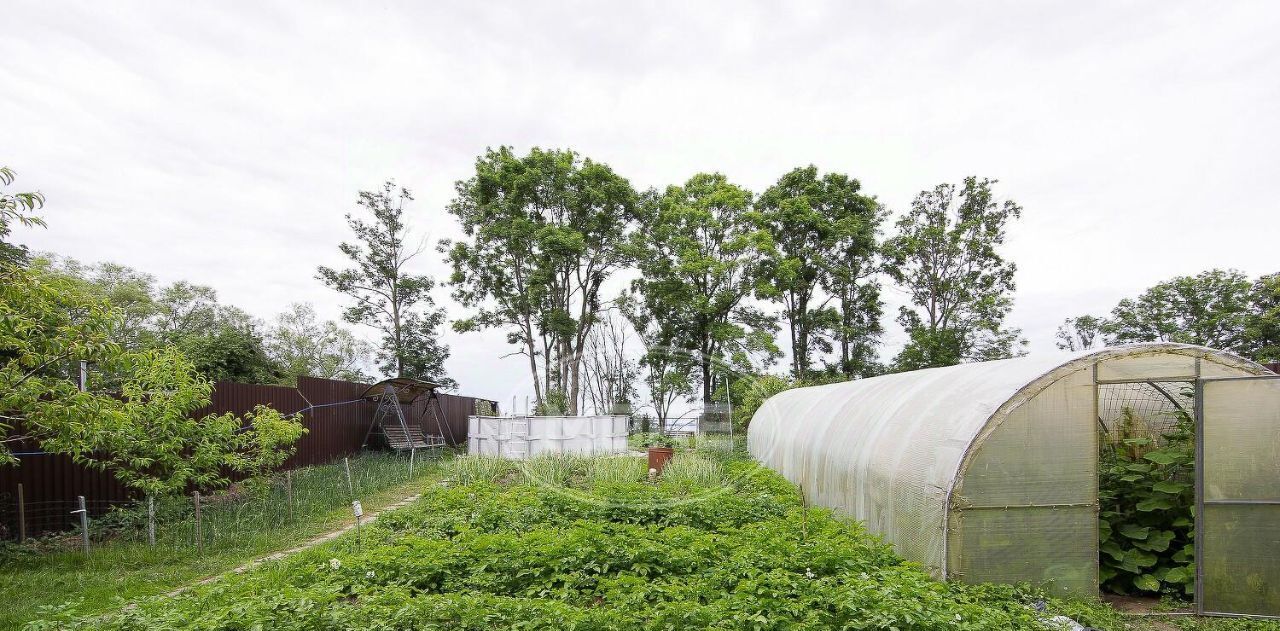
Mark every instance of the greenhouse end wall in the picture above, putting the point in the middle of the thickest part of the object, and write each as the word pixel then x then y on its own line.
pixel 1025 506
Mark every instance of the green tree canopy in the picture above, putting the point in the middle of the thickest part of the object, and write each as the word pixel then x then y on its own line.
pixel 961 289
pixel 543 232
pixel 387 296
pixel 1080 333
pixel 145 432
pixel 822 234
pixel 1209 309
pixel 698 257
pixel 16 208
pixel 1262 326
pixel 302 345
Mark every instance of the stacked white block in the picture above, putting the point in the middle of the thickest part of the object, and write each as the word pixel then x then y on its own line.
pixel 525 436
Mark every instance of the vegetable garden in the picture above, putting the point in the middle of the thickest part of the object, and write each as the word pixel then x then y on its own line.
pixel 716 542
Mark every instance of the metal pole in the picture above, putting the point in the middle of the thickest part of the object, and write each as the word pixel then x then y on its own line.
pixel 412 451
pixel 151 521
pixel 728 398
pixel 84 375
pixel 288 491
pixel 84 524
pixel 199 539
pixel 22 516
pixel 346 463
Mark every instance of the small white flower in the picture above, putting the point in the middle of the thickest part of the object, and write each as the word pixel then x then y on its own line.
pixel 334 564
pixel 958 618
pixel 809 573
pixel 368 574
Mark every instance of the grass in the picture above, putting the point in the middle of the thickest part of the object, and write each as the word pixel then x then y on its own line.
pixel 237 527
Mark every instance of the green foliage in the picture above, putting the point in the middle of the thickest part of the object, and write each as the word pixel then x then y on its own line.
pixel 1146 491
pixel 145 433
pixel 654 440
pixel 821 233
pixel 698 260
pixel 543 233
pixel 688 470
pixel 751 391
pixel 1262 325
pixel 1208 309
pixel 46 326
pixel 387 297
pixel 304 346
pixel 622 556
pixel 945 256
pixel 19 208
pixel 1080 333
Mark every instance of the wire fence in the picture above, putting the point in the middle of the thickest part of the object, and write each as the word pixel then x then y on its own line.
pixel 1148 409
pixel 207 522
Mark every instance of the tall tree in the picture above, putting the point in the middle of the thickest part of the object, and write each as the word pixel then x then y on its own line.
pixel 387 296
pixel 543 233
pixel 1209 309
pixel 698 257
pixel 1080 333
pixel 16 208
pixel 945 256
pixel 816 224
pixel 1262 327
pixel 608 365
pixel 667 371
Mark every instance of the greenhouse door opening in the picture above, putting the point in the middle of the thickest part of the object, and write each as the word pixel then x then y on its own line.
pixel 1238 496
pixel 1146 486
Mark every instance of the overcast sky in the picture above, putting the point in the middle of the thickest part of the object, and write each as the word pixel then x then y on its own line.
pixel 222 142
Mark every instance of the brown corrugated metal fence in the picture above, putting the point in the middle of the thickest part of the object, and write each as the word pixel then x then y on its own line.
pixel 332 411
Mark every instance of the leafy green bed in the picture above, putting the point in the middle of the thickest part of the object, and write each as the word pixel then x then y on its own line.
pixel 738 552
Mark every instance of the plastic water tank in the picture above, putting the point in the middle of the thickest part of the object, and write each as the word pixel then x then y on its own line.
pixel 525 436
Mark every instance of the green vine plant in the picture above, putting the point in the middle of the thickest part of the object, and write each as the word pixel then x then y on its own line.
pixel 1146 491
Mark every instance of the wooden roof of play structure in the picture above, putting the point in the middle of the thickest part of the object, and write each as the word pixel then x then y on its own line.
pixel 407 389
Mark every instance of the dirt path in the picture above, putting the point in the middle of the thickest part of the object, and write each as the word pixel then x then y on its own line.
pixel 310 543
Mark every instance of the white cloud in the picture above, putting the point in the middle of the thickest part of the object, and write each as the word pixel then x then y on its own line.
pixel 223 142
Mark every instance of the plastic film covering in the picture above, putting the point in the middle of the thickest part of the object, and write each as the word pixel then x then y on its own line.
pixel 890 450
pixel 1240 520
pixel 1047 546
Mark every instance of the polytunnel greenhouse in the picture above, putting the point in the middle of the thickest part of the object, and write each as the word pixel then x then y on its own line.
pixel 988 472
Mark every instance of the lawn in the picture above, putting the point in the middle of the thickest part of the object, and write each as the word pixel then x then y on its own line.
pixel 714 543
pixel 236 528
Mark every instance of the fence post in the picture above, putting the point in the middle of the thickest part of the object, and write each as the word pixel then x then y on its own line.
pixel 84 524
pixel 412 451
pixel 288 492
pixel 351 490
pixel 22 516
pixel 199 539
pixel 151 521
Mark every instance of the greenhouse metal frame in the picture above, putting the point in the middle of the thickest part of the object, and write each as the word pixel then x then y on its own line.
pixel 988 472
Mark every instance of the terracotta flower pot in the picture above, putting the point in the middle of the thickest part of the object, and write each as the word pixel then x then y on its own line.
pixel 659 456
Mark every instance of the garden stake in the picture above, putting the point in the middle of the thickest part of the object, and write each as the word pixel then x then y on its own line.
pixel 22 516
pixel 84 524
pixel 412 451
pixel 346 463
pixel 151 521
pixel 288 492
pixel 199 540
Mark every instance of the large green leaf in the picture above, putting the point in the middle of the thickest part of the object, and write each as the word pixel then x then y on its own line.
pixel 1134 531
pixel 1147 582
pixel 1171 487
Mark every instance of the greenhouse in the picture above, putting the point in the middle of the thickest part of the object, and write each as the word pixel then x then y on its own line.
pixel 988 472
